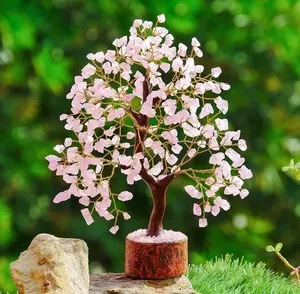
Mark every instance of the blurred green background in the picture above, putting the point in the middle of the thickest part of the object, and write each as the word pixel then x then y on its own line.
pixel 44 44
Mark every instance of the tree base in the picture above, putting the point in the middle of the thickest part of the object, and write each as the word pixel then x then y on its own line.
pixel 162 257
pixel 121 284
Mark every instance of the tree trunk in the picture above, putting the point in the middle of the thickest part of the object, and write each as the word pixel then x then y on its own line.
pixel 158 188
pixel 159 193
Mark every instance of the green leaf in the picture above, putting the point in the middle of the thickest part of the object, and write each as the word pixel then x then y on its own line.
pixel 292 163
pixel 297 165
pixel 18 30
pixel 278 247
pixel 6 224
pixel 285 168
pixel 270 248
pixel 5 278
pixel 54 72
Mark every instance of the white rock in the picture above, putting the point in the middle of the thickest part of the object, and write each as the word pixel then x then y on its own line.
pixel 52 265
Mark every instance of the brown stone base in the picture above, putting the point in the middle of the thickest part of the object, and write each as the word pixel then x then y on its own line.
pixel 156 260
pixel 121 284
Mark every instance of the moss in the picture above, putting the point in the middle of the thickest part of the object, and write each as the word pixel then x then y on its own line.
pixel 233 276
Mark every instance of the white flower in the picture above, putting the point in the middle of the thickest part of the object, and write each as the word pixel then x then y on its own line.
pixel 244 193
pixel 216 71
pixel 202 222
pixel 191 153
pixel 225 86
pixel 221 104
pixel 195 42
pixel 125 196
pixel 206 110
pixel 193 192
pixel 126 215
pixel 137 23
pixel 216 158
pixel 245 173
pixel 68 142
pixel 59 148
pixel 87 216
pixel 215 210
pixel 114 229
pixel 197 209
pixel 242 145
pixel 222 124
pixel 161 18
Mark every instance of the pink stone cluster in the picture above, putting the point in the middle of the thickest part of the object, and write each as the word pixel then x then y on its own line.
pixel 185 110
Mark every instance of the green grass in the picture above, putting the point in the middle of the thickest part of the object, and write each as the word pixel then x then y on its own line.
pixel 226 275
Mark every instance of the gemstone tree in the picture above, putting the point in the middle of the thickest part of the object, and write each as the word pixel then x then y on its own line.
pixel 148 109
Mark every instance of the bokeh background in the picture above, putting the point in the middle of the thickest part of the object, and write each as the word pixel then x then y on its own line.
pixel 43 45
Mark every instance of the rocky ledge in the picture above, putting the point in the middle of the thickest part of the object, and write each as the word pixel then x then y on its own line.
pixel 121 284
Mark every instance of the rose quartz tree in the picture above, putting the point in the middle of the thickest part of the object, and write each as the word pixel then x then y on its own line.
pixel 147 108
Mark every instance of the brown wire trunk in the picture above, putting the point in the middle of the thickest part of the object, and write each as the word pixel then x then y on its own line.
pixel 158 187
pixel 153 260
pixel 159 193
